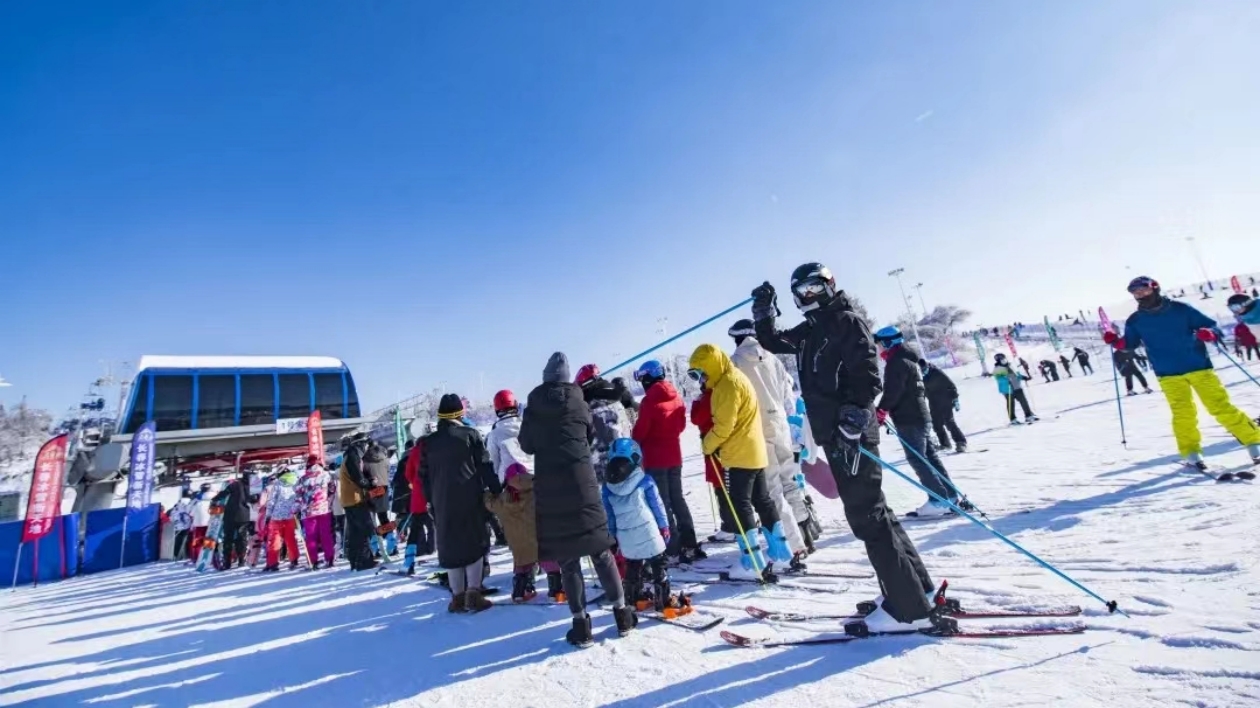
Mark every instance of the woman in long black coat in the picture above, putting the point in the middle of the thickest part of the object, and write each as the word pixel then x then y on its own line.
pixel 456 472
pixel 556 429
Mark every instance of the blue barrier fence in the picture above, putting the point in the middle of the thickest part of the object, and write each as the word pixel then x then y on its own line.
pixel 58 552
pixel 59 549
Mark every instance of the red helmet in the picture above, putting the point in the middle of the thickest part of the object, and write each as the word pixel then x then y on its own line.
pixel 586 373
pixel 505 400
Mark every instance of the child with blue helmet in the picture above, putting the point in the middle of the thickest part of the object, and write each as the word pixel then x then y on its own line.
pixel 637 519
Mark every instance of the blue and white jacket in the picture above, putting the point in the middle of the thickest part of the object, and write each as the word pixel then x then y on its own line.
pixel 636 516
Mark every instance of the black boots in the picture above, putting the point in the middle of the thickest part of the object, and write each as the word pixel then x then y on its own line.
pixel 626 620
pixel 580 635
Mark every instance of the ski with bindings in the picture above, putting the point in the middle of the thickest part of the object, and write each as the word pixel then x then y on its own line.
pixel 726 579
pixel 772 616
pixel 838 575
pixel 1219 474
pixel 695 620
pixel 740 640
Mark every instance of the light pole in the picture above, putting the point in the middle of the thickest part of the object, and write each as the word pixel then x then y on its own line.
pixel 1198 257
pixel 922 305
pixel 914 327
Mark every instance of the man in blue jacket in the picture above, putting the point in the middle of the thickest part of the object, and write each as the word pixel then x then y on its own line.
pixel 1176 336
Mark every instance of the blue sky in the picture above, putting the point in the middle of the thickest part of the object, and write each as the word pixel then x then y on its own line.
pixel 446 193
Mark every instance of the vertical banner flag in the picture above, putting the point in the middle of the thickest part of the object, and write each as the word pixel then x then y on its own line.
pixel 1237 286
pixel 1011 344
pixel 400 432
pixel 315 436
pixel 1104 322
pixel 1054 336
pixel 984 364
pixel 43 505
pixel 140 484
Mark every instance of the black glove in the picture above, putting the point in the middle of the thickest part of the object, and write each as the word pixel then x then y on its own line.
pixel 765 302
pixel 852 422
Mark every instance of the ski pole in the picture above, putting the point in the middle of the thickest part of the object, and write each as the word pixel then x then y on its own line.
pixel 1115 378
pixel 740 525
pixel 1235 362
pixel 1110 604
pixel 942 479
pixel 678 336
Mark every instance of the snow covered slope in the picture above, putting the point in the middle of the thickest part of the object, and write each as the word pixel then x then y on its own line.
pixel 1174 548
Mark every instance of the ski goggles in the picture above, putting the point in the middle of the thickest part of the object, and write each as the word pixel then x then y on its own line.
pixel 809 290
pixel 696 375
pixel 1141 291
pixel 1238 307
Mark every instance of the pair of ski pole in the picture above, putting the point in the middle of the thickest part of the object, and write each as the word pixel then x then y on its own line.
pixel 941 479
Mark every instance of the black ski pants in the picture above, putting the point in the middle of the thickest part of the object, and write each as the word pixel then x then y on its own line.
pixel 1253 349
pixel 1130 373
pixel 1086 368
pixel 181 544
pixel 902 578
pixel 360 528
pixel 657 574
pixel 947 427
pixel 420 533
pixel 682 530
pixel 1017 396
pixel 234 543
pixel 575 584
pixel 751 498
pixel 921 454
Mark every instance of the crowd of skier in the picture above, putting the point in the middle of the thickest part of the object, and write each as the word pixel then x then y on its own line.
pixel 584 472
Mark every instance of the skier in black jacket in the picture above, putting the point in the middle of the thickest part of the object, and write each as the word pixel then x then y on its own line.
pixel 942 397
pixel 839 376
pixel 905 402
pixel 235 501
pixel 1067 365
pixel 1082 356
pixel 1126 364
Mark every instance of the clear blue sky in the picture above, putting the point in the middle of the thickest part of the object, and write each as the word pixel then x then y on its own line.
pixel 433 191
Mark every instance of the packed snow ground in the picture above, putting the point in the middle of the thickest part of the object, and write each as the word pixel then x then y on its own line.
pixel 1174 548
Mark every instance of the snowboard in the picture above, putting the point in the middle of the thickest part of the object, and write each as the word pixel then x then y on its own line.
pixel 214 536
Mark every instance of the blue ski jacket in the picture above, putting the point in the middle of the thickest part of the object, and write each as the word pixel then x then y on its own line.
pixel 636 516
pixel 1168 331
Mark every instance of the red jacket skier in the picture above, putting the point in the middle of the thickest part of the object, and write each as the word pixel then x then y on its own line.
pixel 1246 338
pixel 662 420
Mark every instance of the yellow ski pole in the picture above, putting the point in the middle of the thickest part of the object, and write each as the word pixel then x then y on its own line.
pixel 740 526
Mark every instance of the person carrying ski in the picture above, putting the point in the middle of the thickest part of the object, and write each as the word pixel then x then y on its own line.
pixel 282 510
pixel 773 385
pixel 456 473
pixel 637 519
pixel 1011 385
pixel 608 415
pixel 315 492
pixel 182 522
pixel 942 398
pixel 662 420
pixel 740 446
pixel 905 402
pixel 702 418
pixel 1067 365
pixel 556 428
pixel 1126 365
pixel 1082 357
pixel 1176 337
pixel 839 377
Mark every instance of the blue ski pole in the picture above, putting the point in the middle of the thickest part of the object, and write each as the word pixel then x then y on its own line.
pixel 678 336
pixel 1110 604
pixel 945 481
pixel 1235 362
pixel 1115 377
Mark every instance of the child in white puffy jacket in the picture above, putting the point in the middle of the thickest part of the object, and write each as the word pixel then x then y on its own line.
pixel 636 518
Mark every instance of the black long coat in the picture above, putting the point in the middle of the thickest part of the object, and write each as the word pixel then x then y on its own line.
pixel 569 512
pixel 456 472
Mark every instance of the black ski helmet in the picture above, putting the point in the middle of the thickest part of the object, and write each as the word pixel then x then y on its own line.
pixel 1240 303
pixel 999 358
pixel 813 286
pixel 742 329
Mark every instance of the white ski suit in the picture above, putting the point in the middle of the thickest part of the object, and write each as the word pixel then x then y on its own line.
pixel 773 384
pixel 505 448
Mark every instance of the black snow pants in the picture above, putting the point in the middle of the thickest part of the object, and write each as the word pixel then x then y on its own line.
pixel 1017 396
pixel 360 528
pixel 749 494
pixel 946 427
pixel 682 530
pixel 1131 372
pixel 902 578
pixel 234 542
pixel 921 454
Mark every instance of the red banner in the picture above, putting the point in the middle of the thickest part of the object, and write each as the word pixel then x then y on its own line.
pixel 43 506
pixel 1237 286
pixel 315 437
pixel 1011 343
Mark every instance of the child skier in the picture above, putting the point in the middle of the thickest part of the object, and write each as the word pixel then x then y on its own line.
pixel 1011 385
pixel 637 519
pixel 515 508
pixel 1176 337
pixel 182 522
pixel 315 492
pixel 282 508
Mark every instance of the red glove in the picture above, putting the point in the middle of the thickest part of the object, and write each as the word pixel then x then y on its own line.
pixel 1206 335
pixel 1110 337
pixel 881 415
pixel 665 534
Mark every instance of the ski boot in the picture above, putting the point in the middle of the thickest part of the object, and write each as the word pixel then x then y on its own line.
pixel 1195 460
pixel 750 560
pixel 776 543
pixel 797 565
pixel 807 533
pixel 580 635
pixel 877 620
pixel 691 555
pixel 523 588
pixel 555 589
pixel 1254 451
pixel 960 448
